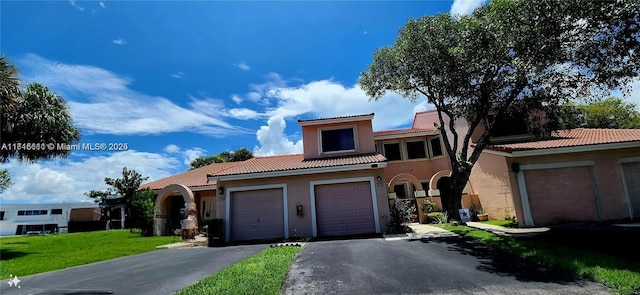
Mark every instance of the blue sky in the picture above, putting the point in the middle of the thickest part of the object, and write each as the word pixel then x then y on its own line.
pixel 175 80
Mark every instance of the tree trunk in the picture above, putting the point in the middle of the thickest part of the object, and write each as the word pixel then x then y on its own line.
pixel 459 178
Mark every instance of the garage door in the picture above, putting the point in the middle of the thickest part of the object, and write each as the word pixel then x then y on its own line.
pixel 561 195
pixel 632 181
pixel 257 214
pixel 344 209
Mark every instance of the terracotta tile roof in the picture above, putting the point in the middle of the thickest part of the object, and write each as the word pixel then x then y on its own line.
pixel 574 137
pixel 332 118
pixel 400 132
pixel 297 162
pixel 191 178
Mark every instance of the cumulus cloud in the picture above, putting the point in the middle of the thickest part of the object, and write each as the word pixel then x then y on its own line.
pixel 178 75
pixel 463 7
pixel 192 154
pixel 172 148
pixel 97 97
pixel 243 66
pixel 119 41
pixel 244 114
pixel 273 140
pixel 237 99
pixel 68 180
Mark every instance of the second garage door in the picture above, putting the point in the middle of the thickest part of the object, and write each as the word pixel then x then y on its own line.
pixel 257 214
pixel 344 209
pixel 632 181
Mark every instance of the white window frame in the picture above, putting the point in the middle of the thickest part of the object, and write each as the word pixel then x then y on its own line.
pixel 426 149
pixel 355 139
pixel 431 156
pixel 400 149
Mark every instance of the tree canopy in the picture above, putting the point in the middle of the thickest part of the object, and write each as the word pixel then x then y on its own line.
pixel 238 155
pixel 508 55
pixel 139 203
pixel 612 112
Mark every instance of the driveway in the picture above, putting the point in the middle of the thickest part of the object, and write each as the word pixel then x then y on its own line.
pixel 156 272
pixel 446 265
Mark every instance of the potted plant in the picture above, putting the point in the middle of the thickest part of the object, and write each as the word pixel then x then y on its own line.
pixel 482 215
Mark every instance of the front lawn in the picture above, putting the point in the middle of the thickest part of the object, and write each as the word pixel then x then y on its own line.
pixel 262 273
pixel 622 275
pixel 26 255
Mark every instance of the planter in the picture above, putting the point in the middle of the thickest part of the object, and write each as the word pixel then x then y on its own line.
pixel 483 217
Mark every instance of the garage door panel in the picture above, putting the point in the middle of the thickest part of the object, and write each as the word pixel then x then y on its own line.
pixel 257 215
pixel 561 194
pixel 344 209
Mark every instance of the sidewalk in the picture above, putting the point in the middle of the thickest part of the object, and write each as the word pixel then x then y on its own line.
pixel 421 231
pixel 199 240
pixel 509 231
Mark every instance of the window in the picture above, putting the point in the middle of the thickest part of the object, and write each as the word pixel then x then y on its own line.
pixel 436 147
pixel 416 150
pixel 392 151
pixel 56 211
pixel 336 140
pixel 400 190
pixel 1 215
pixel 32 212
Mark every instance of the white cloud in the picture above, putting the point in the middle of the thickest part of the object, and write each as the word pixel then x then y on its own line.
pixel 243 66
pixel 172 148
pixel 74 4
pixel 101 4
pixel 97 97
pixel 244 114
pixel 462 7
pixel 237 99
pixel 119 41
pixel 178 75
pixel 634 93
pixel 254 96
pixel 67 180
pixel 192 154
pixel 273 141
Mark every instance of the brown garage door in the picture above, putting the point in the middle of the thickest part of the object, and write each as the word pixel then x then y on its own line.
pixel 561 195
pixel 257 214
pixel 344 209
pixel 632 181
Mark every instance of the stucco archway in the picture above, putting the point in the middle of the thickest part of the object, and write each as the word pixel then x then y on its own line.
pixel 404 177
pixel 433 182
pixel 160 216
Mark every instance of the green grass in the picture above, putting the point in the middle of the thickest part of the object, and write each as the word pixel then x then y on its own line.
pixel 26 255
pixel 505 223
pixel 623 276
pixel 262 273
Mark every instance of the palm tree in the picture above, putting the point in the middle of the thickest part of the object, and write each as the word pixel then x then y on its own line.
pixel 9 84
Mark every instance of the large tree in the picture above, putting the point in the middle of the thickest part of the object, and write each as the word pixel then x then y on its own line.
pixel 612 112
pixel 139 203
pixel 509 55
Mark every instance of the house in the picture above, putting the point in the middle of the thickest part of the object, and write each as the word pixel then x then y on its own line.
pixel 575 175
pixel 339 185
pixel 21 219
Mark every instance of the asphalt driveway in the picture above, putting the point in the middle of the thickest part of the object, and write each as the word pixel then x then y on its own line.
pixel 156 272
pixel 447 265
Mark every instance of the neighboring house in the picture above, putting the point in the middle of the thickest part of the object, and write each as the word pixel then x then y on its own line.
pixel 574 176
pixel 577 175
pixel 21 219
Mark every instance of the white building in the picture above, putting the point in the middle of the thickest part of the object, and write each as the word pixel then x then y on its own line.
pixel 21 219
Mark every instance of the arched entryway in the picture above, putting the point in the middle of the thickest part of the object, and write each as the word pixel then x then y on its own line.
pixel 407 197
pixel 444 186
pixel 169 203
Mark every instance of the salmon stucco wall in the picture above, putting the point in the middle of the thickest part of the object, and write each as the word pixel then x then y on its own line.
pixel 364 144
pixel 491 181
pixel 422 169
pixel 298 192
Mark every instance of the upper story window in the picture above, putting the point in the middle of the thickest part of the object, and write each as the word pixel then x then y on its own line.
pixel 416 150
pixel 1 215
pixel 392 151
pixel 436 147
pixel 56 211
pixel 32 212
pixel 338 140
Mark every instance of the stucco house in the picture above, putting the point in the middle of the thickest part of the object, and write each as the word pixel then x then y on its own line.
pixel 340 185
